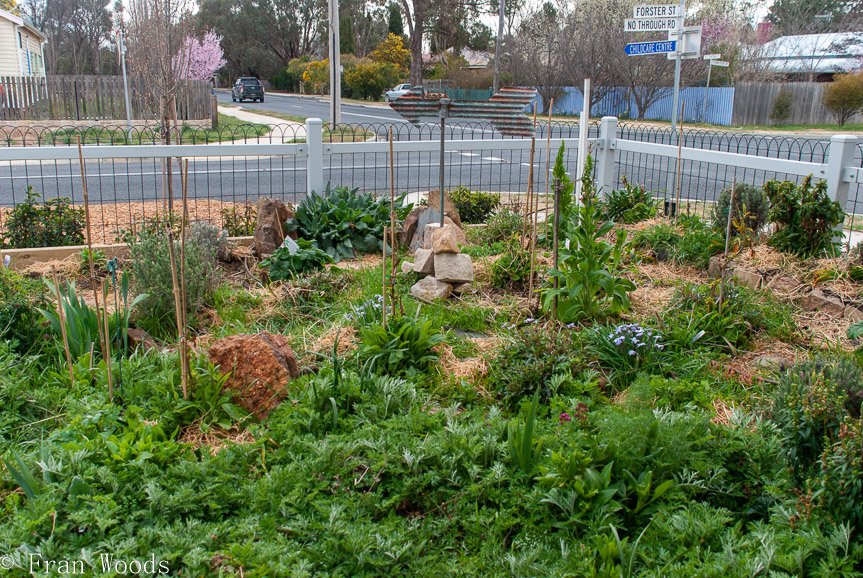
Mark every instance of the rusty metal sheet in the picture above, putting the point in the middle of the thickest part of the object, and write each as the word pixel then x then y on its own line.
pixel 505 110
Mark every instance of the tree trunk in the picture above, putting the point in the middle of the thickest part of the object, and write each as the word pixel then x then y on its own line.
pixel 417 43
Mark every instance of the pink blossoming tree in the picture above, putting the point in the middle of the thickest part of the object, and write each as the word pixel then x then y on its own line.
pixel 200 59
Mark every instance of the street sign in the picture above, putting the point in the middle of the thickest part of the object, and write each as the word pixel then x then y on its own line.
pixel 656 11
pixel 721 63
pixel 690 43
pixel 661 47
pixel 651 25
pixel 712 56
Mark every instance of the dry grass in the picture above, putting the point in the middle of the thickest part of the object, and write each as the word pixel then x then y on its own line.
pixel 346 335
pixel 216 438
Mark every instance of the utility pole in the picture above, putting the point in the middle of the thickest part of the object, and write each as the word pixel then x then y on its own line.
pixel 677 57
pixel 497 47
pixel 335 65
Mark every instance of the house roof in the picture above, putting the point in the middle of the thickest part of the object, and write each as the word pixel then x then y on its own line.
pixel 18 21
pixel 475 58
pixel 813 53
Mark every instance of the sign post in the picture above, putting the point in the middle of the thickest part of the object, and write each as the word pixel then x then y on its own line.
pixel 676 98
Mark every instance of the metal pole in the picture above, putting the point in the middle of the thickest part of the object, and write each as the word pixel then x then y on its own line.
pixel 706 88
pixel 335 65
pixel 122 49
pixel 677 59
pixel 440 176
pixel 497 47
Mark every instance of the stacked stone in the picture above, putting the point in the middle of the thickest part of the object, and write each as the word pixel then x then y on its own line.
pixel 447 270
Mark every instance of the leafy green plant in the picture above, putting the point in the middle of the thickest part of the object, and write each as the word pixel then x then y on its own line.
pixel 151 270
pixel 20 300
pixel 21 473
pixel 626 350
pixel 403 347
pixel 696 317
pixel 804 216
pixel 54 223
pixel 99 260
pixel 782 104
pixel 691 242
pixel 534 359
pixel 283 265
pixel 501 226
pixel 239 220
pixel 520 439
pixel 588 267
pixel 839 487
pixel 82 322
pixel 811 404
pixel 749 202
pixel 209 404
pixel 474 206
pixel 341 222
pixel 512 267
pixel 630 204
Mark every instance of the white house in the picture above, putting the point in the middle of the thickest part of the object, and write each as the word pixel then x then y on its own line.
pixel 817 56
pixel 21 47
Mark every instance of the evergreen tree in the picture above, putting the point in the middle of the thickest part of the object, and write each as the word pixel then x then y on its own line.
pixel 396 26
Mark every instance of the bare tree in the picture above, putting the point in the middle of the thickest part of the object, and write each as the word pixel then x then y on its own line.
pixel 538 55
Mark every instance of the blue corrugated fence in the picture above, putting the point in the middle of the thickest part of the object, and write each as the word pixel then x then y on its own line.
pixel 620 102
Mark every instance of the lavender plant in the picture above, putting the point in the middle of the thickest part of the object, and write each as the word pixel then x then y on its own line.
pixel 626 350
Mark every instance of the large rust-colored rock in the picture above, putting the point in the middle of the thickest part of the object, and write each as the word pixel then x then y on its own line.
pixel 449 209
pixel 269 229
pixel 409 227
pixel 260 368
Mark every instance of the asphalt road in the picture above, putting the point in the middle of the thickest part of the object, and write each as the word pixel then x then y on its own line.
pixel 235 179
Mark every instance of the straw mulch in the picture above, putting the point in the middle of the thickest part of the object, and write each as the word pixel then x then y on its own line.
pixel 216 438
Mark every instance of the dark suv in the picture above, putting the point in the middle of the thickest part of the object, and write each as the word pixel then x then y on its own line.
pixel 247 88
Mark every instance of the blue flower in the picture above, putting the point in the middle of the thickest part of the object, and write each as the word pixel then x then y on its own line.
pixel 619 340
pixel 631 352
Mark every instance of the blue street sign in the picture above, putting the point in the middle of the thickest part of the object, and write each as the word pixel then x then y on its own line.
pixel 661 47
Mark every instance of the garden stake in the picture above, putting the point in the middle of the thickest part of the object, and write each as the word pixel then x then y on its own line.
pixel 679 152
pixel 63 325
pixel 178 313
pixel 392 221
pixel 124 342
pixel 528 205
pixel 106 353
pixel 554 242
pixel 547 161
pixel 184 347
pixel 384 278
pixel 102 336
pixel 727 238
pixel 535 207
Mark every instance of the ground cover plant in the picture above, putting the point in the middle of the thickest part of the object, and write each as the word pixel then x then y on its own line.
pixel 474 436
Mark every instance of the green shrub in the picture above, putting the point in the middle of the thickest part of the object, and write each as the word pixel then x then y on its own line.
pixel 403 347
pixel 341 222
pixel 840 486
pixel 474 206
pixel 151 270
pixel 240 219
pixel 696 319
pixel 844 96
pixel 811 403
pixel 675 394
pixel 805 217
pixel 282 265
pixel 20 299
pixel 535 359
pixel 54 223
pixel 630 204
pixel 588 267
pixel 692 243
pixel 501 226
pixel 512 267
pixel 782 104
pixel 748 200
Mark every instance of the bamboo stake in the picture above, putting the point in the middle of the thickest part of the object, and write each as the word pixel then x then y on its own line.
pixel 384 279
pixel 103 336
pixel 392 220
pixel 62 315
pixel 554 241
pixel 679 154
pixel 177 310
pixel 184 347
pixel 535 206
pixel 727 238
pixel 527 204
pixel 547 162
pixel 106 353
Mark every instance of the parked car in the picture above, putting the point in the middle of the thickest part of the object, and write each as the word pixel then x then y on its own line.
pixel 399 90
pixel 247 88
